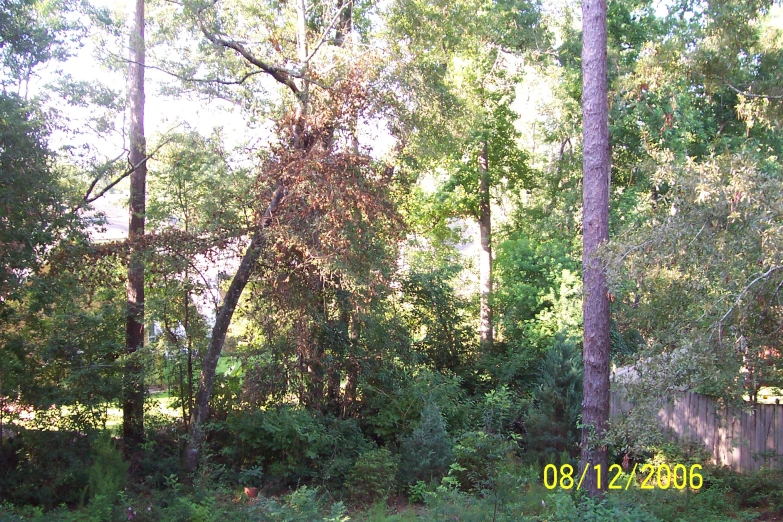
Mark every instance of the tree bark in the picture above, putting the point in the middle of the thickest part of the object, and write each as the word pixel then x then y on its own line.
pixel 133 386
pixel 345 7
pixel 222 322
pixel 354 367
pixel 595 223
pixel 485 253
pixel 189 348
pixel 301 48
pixel 300 86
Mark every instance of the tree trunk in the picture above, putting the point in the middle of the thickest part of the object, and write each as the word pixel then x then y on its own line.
pixel 189 347
pixel 300 87
pixel 354 367
pixel 133 388
pixel 344 22
pixel 595 223
pixel 333 389
pixel 301 49
pixel 485 253
pixel 222 321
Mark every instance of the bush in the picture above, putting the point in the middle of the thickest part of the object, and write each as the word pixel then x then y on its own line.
pixel 394 398
pixel 452 504
pixel 611 509
pixel 160 456
pixel 499 411
pixel 44 468
pixel 108 472
pixel 426 454
pixel 762 488
pixel 373 476
pixel 303 505
pixel 552 417
pixel 477 455
pixel 293 444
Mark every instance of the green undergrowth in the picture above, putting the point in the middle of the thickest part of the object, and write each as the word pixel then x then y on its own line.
pixel 516 494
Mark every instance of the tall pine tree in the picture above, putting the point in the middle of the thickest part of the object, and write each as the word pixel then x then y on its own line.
pixel 595 225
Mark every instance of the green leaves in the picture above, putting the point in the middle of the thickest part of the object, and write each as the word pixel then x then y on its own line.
pixel 193 188
pixel 32 32
pixel 31 199
pixel 539 293
pixel 700 279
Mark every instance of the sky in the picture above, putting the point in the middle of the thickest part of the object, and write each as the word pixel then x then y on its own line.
pixel 163 114
pixel 166 113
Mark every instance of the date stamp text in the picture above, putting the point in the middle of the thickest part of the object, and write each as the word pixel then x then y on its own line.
pixel 660 476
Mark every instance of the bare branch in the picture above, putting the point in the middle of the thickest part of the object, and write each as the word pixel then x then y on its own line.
pixel 633 249
pixel 171 333
pixel 242 79
pixel 280 74
pixel 745 290
pixel 752 95
pixel 88 199
pixel 698 234
pixel 100 175
pixel 328 28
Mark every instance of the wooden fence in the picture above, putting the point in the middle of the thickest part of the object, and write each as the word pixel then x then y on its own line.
pixel 743 440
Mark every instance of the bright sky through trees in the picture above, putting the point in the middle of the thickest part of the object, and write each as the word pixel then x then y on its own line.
pixel 361 267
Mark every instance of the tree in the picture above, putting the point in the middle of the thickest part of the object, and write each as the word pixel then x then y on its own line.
pixel 494 161
pixel 29 36
pixel 297 84
pixel 308 157
pixel 462 75
pixel 696 116
pixel 32 33
pixel 28 234
pixel 193 191
pixel 133 400
pixel 59 321
pixel 26 174
pixel 700 281
pixel 552 423
pixel 539 297
pixel 595 229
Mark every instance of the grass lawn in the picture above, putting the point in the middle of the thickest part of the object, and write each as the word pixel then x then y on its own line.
pixel 769 395
pixel 160 402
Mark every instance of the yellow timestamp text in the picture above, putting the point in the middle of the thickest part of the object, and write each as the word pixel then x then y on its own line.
pixel 660 476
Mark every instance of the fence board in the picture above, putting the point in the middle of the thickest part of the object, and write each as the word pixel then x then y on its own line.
pixel 778 434
pixel 735 438
pixel 707 429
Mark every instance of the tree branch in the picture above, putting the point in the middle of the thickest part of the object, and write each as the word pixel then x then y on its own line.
pixel 222 321
pixel 283 76
pixel 328 28
pixel 751 95
pixel 87 199
pixel 184 78
pixel 745 290
pixel 98 178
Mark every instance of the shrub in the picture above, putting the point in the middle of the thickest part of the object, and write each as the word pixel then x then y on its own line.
pixel 477 455
pixel 108 472
pixel 293 444
pixel 499 411
pixel 611 509
pixel 426 454
pixel 44 468
pixel 762 488
pixel 160 456
pixel 303 505
pixel 552 417
pixel 393 399
pixel 373 476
